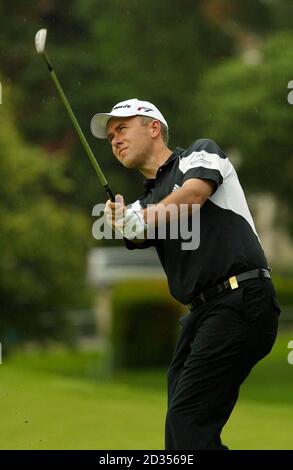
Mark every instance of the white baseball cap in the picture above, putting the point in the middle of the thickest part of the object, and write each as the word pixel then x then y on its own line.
pixel 133 107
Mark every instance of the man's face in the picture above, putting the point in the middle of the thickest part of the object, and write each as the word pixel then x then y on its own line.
pixel 131 141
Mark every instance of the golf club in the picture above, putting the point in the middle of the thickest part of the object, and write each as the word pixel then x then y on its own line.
pixel 40 42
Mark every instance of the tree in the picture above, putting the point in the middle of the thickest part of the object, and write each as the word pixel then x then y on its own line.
pixel 43 241
pixel 246 107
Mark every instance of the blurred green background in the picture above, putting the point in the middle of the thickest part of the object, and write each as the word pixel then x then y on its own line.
pixel 216 68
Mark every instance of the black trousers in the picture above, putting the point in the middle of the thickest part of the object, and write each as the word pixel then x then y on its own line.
pixel 219 344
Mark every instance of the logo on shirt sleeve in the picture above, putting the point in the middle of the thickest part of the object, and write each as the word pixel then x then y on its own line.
pixel 201 159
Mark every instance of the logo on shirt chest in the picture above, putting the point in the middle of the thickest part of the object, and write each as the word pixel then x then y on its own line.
pixel 176 186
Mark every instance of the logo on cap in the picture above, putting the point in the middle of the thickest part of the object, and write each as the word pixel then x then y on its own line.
pixel 143 108
pixel 122 106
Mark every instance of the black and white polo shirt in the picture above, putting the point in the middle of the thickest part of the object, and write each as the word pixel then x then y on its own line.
pixel 229 243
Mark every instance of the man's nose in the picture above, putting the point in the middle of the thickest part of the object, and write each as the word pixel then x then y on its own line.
pixel 116 141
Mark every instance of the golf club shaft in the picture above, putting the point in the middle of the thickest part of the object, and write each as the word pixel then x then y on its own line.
pixel 84 142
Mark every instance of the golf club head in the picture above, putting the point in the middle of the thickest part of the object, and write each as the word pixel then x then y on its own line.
pixel 40 40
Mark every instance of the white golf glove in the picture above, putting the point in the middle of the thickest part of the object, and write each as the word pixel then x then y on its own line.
pixel 134 224
pixel 128 222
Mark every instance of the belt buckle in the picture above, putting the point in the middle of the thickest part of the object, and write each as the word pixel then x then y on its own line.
pixel 233 282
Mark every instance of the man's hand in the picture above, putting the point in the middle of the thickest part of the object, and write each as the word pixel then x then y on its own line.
pixel 128 222
pixel 114 212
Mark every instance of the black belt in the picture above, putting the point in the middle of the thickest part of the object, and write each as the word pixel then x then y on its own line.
pixel 230 284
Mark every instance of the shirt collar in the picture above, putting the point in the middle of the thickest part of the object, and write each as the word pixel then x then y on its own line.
pixel 150 182
pixel 173 156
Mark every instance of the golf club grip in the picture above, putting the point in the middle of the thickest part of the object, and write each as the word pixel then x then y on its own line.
pixel 109 192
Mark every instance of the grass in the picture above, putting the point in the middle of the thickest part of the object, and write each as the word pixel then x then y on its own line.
pixel 62 400
pixel 263 418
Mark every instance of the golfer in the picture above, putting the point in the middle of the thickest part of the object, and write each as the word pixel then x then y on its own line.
pixel 225 280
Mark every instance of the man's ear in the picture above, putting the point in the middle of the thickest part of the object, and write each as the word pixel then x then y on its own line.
pixel 155 127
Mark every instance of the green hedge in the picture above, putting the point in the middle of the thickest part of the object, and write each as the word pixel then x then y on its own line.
pixel 283 283
pixel 145 324
pixel 145 320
